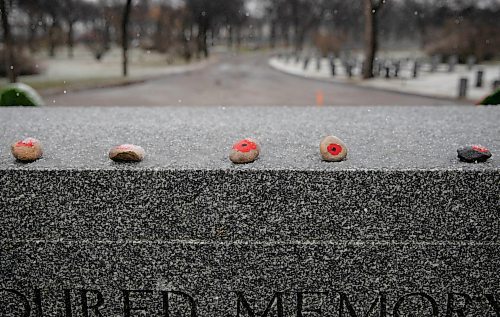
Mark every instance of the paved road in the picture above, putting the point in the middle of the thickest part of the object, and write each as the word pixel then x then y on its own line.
pixel 238 80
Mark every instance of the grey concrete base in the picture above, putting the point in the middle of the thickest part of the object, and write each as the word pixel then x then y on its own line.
pixel 185 233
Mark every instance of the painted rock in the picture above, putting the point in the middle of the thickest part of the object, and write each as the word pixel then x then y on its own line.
pixel 332 149
pixel 245 151
pixel 473 153
pixel 127 153
pixel 27 150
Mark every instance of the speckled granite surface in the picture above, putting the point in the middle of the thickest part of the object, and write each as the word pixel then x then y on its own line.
pixel 402 224
pixel 200 138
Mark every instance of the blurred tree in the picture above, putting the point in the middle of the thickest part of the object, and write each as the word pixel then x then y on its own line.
pixel 35 18
pixel 188 27
pixel 172 31
pixel 303 17
pixel 186 34
pixel 97 21
pixel 125 22
pixel 54 11
pixel 233 18
pixel 201 11
pixel 72 12
pixel 371 11
pixel 207 15
pixel 347 21
pixel 71 17
pixel 307 16
pixel 10 66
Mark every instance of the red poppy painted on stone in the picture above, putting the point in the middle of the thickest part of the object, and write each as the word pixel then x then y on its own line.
pixel 334 149
pixel 245 151
pixel 245 146
pixel 480 148
pixel 27 142
pixel 126 147
pixel 474 154
pixel 27 150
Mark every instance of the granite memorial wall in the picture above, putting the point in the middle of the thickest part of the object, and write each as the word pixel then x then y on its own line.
pixel 391 231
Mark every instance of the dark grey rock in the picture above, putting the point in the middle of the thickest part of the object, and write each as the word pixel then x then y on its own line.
pixel 474 153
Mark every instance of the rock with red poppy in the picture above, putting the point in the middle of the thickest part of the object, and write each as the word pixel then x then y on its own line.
pixel 245 151
pixel 332 149
pixel 27 150
pixel 127 153
pixel 473 153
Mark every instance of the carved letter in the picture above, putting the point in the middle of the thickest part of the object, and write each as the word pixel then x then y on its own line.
pixel 127 307
pixel 166 306
pixel 38 302
pixel 300 304
pixel 435 310
pixel 278 298
pixel 86 307
pixel 67 302
pixel 450 307
pixel 344 301
pixel 26 304
pixel 493 303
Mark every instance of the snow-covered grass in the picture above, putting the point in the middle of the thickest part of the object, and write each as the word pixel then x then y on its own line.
pixel 84 71
pixel 441 83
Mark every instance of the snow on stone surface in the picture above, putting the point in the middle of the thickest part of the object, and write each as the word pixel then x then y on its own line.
pixel 382 137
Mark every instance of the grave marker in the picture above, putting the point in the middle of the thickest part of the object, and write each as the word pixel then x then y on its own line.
pixel 306 62
pixel 397 68
pixel 496 84
pixel 463 87
pixel 416 67
pixel 479 78
pixel 332 67
pixel 387 71
pixel 348 69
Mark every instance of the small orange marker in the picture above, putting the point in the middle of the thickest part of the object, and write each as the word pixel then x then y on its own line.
pixel 320 98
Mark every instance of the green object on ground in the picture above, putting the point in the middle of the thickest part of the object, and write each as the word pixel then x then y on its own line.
pixel 20 94
pixel 493 99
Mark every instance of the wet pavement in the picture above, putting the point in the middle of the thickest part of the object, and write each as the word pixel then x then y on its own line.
pixel 238 80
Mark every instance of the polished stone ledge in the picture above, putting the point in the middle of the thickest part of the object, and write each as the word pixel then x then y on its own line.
pixel 200 138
